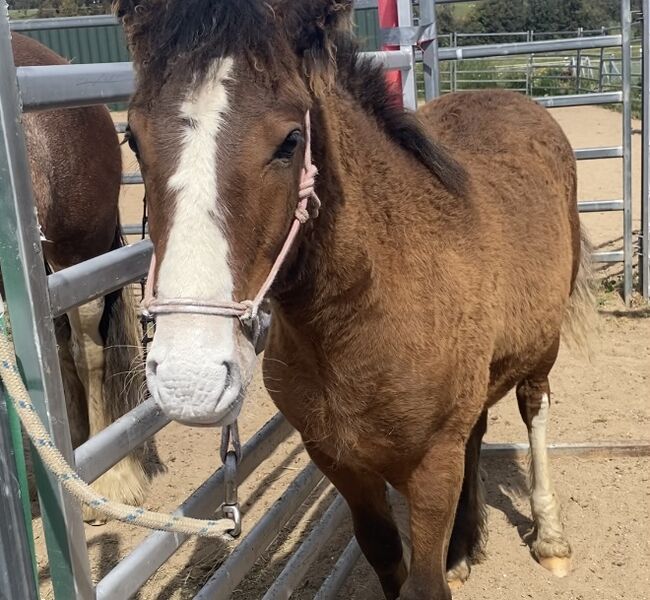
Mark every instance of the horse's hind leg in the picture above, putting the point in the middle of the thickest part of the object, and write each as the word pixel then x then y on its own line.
pixel 125 482
pixel 469 533
pixel 551 547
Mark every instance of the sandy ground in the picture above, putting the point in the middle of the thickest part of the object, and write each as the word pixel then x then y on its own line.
pixel 606 502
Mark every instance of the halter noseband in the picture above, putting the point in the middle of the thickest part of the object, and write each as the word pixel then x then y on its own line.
pixel 247 310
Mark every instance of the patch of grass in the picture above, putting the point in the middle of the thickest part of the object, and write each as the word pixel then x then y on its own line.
pixel 28 13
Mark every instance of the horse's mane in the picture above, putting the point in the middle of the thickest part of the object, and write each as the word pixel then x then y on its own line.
pixel 364 79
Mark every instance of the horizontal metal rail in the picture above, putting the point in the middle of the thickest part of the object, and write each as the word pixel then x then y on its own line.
pixel 134 229
pixel 132 179
pixel 597 153
pixel 516 48
pixel 108 447
pixel 98 276
pixel 608 257
pixel 332 586
pixel 130 574
pixel 303 558
pixel 591 206
pixel 62 23
pixel 580 99
pixel 61 86
pixel 225 580
pixel 590 449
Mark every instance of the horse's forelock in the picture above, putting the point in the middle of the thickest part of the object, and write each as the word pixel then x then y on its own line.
pixel 196 32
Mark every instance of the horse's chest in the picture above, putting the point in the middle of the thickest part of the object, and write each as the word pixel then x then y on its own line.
pixel 350 425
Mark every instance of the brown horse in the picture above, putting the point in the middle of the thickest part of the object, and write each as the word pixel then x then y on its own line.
pixel 438 276
pixel 76 168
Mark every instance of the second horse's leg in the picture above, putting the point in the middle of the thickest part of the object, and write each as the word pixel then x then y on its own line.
pixel 125 482
pixel 469 534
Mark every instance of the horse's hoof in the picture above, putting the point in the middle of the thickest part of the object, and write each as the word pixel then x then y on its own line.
pixel 93 518
pixel 560 567
pixel 457 576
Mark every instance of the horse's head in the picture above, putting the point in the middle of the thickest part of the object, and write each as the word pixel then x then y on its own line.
pixel 218 125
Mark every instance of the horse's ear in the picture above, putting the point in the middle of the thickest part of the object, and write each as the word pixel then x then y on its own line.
pixel 313 25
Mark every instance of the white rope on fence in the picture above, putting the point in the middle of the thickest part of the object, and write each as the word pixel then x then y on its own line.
pixel 55 462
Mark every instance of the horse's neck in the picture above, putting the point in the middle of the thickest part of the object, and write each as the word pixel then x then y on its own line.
pixel 356 184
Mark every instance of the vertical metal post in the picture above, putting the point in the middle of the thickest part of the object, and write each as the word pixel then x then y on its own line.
pixel 430 51
pixel 626 56
pixel 454 44
pixel 409 83
pixel 529 71
pixel 601 67
pixel 578 63
pixel 17 577
pixel 25 285
pixel 644 261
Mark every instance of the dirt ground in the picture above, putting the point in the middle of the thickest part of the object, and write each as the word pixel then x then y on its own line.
pixel 606 501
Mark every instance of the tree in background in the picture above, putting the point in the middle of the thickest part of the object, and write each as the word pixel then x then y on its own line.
pixel 497 15
pixel 542 15
pixel 446 19
pixel 69 8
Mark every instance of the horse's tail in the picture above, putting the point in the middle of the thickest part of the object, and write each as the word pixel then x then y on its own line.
pixel 580 320
pixel 124 381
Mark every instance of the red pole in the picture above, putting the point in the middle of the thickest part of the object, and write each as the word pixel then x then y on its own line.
pixel 388 18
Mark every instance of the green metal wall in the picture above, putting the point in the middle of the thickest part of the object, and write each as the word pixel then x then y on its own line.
pixel 367 28
pixel 84 45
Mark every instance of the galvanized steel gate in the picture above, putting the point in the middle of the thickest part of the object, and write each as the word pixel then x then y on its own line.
pixel 34 299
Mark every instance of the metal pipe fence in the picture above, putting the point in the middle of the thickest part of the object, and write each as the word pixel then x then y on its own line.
pixel 34 300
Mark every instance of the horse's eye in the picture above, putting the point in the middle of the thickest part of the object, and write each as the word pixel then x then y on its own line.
pixel 129 138
pixel 287 149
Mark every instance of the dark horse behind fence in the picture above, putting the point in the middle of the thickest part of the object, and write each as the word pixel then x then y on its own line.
pixel 439 274
pixel 76 170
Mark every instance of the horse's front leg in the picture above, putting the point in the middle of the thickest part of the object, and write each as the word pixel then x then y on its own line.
pixel 374 527
pixel 432 490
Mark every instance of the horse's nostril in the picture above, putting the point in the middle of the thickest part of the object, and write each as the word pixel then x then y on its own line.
pixel 152 367
pixel 229 375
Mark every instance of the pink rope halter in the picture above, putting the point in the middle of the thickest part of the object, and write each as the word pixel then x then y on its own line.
pixel 247 309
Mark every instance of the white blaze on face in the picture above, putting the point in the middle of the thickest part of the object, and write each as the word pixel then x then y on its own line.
pixel 195 366
pixel 196 258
